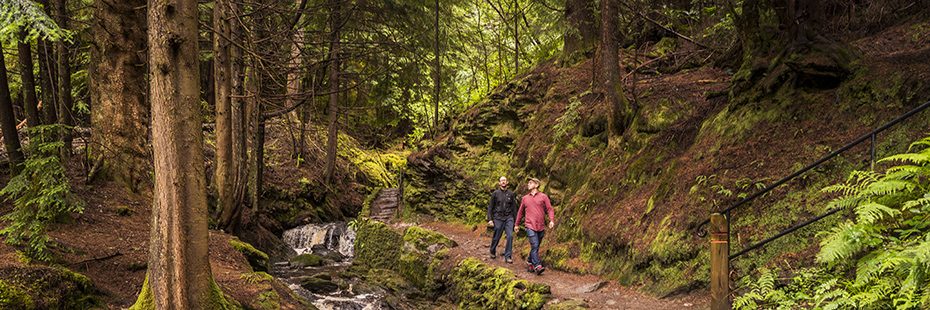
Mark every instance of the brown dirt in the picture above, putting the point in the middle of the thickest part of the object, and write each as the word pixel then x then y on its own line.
pixel 474 243
pixel 112 250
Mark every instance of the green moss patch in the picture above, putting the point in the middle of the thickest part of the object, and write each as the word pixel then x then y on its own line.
pixel 377 246
pixel 257 259
pixel 307 260
pixel 422 239
pixel 43 287
pixel 476 285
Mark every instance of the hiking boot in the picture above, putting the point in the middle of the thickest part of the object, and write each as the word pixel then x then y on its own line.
pixel 493 256
pixel 539 270
pixel 508 260
pixel 529 267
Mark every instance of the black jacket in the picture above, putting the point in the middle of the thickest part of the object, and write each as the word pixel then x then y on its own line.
pixel 503 205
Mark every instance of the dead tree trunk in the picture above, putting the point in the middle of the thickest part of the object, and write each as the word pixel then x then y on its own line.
pixel 119 116
pixel 179 275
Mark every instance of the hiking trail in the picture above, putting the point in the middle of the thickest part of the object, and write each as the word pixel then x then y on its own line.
pixel 592 290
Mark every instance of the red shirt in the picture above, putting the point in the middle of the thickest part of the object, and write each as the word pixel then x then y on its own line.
pixel 536 208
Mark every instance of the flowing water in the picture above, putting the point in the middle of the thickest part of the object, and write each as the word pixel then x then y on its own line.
pixel 334 240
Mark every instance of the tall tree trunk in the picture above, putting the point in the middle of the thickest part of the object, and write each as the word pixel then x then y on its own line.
pixel 8 121
pixel 179 275
pixel 333 134
pixel 47 73
pixel 581 35
pixel 119 116
pixel 30 102
pixel 621 112
pixel 64 80
pixel 437 74
pixel 516 37
pixel 231 153
pixel 295 62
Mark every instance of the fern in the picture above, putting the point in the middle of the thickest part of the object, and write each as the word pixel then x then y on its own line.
pixel 40 195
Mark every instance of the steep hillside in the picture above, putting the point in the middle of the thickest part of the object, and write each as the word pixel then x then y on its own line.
pixel 631 210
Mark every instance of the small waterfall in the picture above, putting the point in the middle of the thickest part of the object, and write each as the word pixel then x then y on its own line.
pixel 337 237
pixel 334 240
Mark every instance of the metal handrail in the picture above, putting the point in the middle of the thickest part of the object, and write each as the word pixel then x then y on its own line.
pixel 870 135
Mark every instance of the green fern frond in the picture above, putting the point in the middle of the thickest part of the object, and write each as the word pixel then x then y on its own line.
pixel 913 158
pixel 870 213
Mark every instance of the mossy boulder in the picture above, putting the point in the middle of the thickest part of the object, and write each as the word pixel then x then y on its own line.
pixel 476 285
pixel 43 287
pixel 426 240
pixel 319 285
pixel 307 260
pixel 257 259
pixel 377 246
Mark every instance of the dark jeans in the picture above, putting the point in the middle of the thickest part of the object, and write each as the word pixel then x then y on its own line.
pixel 501 226
pixel 535 238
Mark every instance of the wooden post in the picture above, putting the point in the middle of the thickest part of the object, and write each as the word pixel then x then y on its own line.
pixel 719 262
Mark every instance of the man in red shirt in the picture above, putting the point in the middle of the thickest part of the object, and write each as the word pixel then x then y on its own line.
pixel 536 206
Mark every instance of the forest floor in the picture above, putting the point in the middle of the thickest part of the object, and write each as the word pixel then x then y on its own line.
pixel 565 286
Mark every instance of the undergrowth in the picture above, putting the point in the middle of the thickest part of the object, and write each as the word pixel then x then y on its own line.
pixel 40 194
pixel 878 258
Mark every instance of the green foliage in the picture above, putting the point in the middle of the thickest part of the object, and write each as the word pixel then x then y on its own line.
pixel 17 14
pixel 885 246
pixel 569 119
pixel 40 194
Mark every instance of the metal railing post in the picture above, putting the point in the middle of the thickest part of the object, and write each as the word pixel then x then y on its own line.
pixel 719 262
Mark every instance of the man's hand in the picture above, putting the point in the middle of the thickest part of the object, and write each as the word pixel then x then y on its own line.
pixel 516 228
pixel 491 223
pixel 551 224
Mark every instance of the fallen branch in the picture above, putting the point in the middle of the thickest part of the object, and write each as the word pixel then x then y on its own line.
pixel 97 259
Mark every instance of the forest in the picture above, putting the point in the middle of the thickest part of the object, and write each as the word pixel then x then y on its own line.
pixel 341 154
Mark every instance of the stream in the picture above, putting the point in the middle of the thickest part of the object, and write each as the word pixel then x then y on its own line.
pixel 335 242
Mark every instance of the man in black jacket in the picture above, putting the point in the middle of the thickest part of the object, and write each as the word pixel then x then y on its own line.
pixel 501 213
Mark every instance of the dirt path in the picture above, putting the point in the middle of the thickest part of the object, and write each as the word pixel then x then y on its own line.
pixel 565 286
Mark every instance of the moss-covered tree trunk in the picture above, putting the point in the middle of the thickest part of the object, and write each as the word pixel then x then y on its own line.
pixel 179 275
pixel 8 121
pixel 120 114
pixel 30 102
pixel 621 111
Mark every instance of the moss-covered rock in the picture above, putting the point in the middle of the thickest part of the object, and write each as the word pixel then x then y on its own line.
pixel 476 285
pixel 43 287
pixel 307 260
pixel 377 246
pixel 257 259
pixel 319 285
pixel 423 239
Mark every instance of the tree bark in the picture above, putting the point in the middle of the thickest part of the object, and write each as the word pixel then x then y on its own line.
pixel 30 102
pixel 47 71
pixel 581 35
pixel 225 167
pixel 179 275
pixel 64 81
pixel 333 132
pixel 119 116
pixel 621 111
pixel 516 37
pixel 8 121
pixel 437 74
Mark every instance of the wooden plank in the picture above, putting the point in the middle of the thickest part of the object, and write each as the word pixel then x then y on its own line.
pixel 719 263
